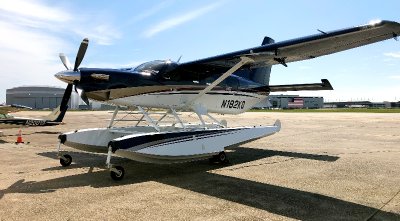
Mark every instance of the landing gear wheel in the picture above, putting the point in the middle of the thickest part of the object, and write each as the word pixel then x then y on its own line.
pixel 222 157
pixel 117 173
pixel 67 161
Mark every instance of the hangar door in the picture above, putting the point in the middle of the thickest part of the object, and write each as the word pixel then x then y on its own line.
pixel 27 101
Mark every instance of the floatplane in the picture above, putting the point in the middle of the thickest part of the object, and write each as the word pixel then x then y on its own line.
pixel 230 83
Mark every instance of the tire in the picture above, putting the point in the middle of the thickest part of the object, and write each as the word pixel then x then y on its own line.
pixel 66 162
pixel 116 176
pixel 222 157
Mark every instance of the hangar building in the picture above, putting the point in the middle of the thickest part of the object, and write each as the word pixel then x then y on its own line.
pixel 39 97
pixel 295 101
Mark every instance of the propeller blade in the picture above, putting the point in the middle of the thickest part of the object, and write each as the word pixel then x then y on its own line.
pixel 75 83
pixel 84 97
pixel 66 96
pixel 65 61
pixel 81 53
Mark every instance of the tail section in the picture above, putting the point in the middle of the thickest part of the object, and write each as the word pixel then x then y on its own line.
pixel 58 114
pixel 259 75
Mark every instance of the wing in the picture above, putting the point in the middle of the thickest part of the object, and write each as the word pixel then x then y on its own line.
pixel 12 108
pixel 298 49
pixel 7 109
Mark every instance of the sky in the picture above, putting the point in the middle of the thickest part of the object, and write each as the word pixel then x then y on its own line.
pixel 126 33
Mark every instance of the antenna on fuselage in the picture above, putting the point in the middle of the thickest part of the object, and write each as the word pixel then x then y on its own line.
pixel 179 59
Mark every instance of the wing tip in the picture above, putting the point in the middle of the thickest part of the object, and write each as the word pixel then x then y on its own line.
pixel 380 23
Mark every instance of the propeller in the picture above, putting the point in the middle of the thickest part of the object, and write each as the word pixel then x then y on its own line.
pixel 65 99
pixel 65 61
pixel 79 56
pixel 81 53
pixel 84 97
pixel 78 60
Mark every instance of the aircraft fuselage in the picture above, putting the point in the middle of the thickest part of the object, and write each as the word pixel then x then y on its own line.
pixel 160 88
pixel 22 122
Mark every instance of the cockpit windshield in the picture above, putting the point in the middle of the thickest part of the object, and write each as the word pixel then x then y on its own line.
pixel 150 66
pixel 155 67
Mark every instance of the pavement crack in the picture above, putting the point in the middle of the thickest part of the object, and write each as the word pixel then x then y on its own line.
pixel 255 165
pixel 369 152
pixel 380 209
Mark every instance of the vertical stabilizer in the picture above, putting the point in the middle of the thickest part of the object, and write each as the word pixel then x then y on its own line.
pixel 259 75
pixel 58 114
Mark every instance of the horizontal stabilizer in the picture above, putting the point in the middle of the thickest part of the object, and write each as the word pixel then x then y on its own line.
pixel 324 85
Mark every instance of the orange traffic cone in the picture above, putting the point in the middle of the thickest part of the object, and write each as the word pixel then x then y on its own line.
pixel 19 138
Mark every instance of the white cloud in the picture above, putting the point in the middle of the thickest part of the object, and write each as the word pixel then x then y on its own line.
pixel 103 34
pixel 393 54
pixel 33 33
pixel 28 42
pixel 34 9
pixel 149 12
pixel 52 20
pixel 396 77
pixel 27 57
pixel 179 20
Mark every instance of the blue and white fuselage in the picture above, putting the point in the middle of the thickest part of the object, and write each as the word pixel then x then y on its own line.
pixel 157 88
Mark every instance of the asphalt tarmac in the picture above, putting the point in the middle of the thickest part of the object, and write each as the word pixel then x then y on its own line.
pixel 320 166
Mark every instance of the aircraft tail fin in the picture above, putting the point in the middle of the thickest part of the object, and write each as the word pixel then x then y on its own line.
pixel 260 75
pixel 58 114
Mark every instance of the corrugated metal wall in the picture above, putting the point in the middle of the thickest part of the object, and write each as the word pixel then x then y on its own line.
pixel 35 97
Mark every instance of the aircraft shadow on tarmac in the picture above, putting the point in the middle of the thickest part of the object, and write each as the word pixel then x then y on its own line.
pixel 194 176
pixel 46 132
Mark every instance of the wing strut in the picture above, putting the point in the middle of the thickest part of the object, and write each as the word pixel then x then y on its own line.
pixel 243 61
